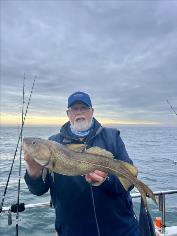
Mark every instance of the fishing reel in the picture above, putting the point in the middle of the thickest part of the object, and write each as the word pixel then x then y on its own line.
pixel 15 208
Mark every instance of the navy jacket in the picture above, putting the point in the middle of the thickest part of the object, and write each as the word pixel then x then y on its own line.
pixel 85 210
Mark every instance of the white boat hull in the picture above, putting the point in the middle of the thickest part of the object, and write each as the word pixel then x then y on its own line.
pixel 169 231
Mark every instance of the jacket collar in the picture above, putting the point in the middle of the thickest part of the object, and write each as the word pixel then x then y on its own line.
pixel 68 136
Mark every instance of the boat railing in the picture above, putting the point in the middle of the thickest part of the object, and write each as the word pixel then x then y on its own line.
pixel 161 204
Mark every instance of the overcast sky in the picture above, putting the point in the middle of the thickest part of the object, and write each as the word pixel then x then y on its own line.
pixel 123 53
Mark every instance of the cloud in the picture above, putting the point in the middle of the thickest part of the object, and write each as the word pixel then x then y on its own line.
pixel 123 53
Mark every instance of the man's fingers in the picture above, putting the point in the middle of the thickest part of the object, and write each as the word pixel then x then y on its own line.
pixel 101 173
pixel 96 176
pixel 88 179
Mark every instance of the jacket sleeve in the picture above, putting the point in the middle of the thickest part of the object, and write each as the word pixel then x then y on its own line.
pixel 37 186
pixel 112 183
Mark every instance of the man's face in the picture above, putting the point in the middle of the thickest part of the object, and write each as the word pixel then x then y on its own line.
pixel 80 116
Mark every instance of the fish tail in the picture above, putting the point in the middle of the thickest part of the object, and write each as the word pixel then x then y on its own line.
pixel 122 172
pixel 143 189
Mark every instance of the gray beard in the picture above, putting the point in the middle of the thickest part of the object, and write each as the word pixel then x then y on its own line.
pixel 81 126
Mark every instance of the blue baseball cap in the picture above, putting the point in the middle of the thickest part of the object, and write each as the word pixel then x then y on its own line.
pixel 79 97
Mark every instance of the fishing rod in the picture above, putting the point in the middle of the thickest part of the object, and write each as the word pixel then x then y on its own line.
pixel 19 138
pixel 171 107
pixel 20 158
pixel 161 199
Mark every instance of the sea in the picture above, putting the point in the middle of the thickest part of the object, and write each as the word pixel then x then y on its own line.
pixel 152 149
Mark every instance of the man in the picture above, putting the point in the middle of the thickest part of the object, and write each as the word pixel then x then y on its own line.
pixel 95 204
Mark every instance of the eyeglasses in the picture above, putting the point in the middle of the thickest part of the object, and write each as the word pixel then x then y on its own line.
pixel 75 110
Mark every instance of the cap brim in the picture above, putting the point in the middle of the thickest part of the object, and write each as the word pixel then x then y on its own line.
pixel 78 101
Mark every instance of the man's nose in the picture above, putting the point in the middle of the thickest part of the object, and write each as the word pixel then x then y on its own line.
pixel 79 110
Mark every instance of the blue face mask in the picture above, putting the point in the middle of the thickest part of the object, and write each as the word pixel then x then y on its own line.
pixel 80 133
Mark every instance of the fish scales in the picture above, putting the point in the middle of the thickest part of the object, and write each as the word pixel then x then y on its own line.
pixel 72 162
pixel 82 164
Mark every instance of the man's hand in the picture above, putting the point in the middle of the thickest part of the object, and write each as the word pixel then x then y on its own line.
pixel 96 178
pixel 33 168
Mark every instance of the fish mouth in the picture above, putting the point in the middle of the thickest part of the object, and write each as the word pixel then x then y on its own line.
pixel 43 163
pixel 27 151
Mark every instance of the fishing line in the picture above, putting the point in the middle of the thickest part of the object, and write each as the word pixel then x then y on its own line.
pixel 19 138
pixel 172 107
pixel 94 210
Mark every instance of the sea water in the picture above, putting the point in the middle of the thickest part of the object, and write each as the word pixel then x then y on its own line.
pixel 152 149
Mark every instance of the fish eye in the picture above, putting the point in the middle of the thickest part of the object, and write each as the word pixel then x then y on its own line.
pixel 33 142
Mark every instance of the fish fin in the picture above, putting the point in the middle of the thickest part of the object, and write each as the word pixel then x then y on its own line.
pixel 76 147
pixel 99 151
pixel 133 169
pixel 146 190
pixel 126 184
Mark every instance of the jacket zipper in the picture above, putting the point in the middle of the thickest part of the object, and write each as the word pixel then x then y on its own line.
pixel 91 190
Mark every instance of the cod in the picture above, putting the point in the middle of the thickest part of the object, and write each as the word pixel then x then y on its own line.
pixel 75 159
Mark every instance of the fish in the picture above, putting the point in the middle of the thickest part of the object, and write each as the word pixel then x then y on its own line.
pixel 75 160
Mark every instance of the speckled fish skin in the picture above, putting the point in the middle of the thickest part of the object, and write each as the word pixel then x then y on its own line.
pixel 59 158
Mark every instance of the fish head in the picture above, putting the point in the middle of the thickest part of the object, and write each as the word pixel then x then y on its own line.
pixel 38 149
